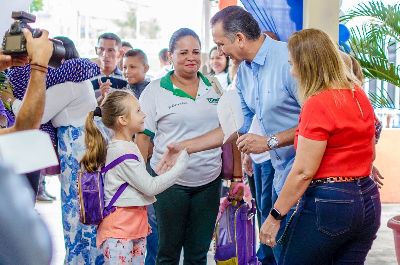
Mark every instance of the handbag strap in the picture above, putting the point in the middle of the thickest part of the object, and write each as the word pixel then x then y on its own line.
pixel 108 208
pixel 216 85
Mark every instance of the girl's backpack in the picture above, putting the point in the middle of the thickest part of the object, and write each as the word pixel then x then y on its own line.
pixel 91 193
pixel 235 237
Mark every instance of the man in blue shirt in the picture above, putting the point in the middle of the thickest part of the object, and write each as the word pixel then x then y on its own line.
pixel 267 90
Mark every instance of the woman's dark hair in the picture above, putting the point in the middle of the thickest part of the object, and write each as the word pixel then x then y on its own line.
pixel 179 34
pixel 235 19
pixel 70 50
pixel 227 61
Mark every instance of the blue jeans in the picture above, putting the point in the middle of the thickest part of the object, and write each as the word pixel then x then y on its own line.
pixel 152 239
pixel 336 223
pixel 263 176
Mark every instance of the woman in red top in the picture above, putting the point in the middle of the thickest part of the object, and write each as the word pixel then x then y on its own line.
pixel 339 209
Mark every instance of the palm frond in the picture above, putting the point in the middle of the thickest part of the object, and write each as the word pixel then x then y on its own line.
pixel 385 18
pixel 373 56
pixel 377 68
pixel 381 100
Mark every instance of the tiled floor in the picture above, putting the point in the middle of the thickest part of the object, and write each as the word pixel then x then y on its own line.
pixel 382 252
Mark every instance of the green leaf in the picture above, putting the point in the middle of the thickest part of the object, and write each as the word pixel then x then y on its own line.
pixel 371 41
pixel 381 101
pixel 36 5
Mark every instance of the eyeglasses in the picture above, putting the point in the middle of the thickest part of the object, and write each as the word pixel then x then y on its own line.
pixel 101 50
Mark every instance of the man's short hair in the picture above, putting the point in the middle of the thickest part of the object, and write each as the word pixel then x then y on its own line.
pixel 137 53
pixel 126 44
pixel 235 19
pixel 163 55
pixel 110 36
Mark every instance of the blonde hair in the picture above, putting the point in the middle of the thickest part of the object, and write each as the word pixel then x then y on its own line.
pixel 96 146
pixel 318 63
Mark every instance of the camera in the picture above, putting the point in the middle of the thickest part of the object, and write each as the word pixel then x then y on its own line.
pixel 14 42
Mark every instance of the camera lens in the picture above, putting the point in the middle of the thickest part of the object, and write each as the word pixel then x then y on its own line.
pixel 58 54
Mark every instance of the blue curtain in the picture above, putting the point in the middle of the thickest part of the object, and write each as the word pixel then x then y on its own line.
pixel 282 17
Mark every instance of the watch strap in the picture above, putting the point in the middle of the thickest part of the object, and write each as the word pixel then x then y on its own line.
pixel 276 214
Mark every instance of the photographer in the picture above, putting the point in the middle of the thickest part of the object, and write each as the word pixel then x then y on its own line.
pixel 39 53
pixel 25 239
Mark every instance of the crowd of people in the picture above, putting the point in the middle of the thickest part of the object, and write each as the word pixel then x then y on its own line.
pixel 307 144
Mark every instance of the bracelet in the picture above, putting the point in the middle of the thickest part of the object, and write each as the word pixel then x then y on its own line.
pixel 237 179
pixel 39 65
pixel 39 68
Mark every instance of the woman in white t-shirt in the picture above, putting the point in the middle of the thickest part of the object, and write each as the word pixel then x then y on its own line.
pixel 179 106
pixel 219 65
pixel 69 97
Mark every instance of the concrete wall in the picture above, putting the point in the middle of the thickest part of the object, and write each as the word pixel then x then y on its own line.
pixel 388 162
pixel 322 14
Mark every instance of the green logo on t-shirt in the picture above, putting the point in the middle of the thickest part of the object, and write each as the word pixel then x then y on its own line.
pixel 213 100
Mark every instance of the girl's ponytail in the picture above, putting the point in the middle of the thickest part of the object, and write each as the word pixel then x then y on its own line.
pixel 96 146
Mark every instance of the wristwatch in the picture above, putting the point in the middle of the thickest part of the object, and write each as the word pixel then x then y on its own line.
pixel 276 214
pixel 272 142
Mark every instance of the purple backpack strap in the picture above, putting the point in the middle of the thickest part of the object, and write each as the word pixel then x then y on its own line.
pixel 109 208
pixel 117 161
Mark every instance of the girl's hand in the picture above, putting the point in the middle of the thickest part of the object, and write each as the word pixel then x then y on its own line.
pixel 169 158
pixel 236 191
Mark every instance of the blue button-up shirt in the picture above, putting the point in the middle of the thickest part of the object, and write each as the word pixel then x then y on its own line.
pixel 268 91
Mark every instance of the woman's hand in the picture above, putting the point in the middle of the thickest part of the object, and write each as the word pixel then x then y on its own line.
pixel 377 177
pixel 269 230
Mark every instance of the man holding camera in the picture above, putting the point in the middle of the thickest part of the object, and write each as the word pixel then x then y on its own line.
pixel 21 228
pixel 39 53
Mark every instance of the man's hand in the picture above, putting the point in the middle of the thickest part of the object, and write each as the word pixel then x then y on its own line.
pixel 104 87
pixel 39 49
pixel 6 61
pixel 247 165
pixel 377 177
pixel 169 158
pixel 252 144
